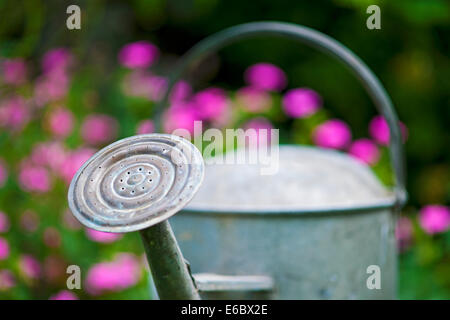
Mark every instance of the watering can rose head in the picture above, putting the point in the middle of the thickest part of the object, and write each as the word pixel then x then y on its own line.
pixel 135 183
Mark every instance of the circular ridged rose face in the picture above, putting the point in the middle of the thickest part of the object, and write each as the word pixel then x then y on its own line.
pixel 136 182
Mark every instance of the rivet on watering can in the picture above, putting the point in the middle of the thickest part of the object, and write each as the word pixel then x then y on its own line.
pixel 136 184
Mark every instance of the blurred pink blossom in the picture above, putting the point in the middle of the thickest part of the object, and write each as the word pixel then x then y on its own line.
pixel 137 84
pixel 157 87
pixel 404 233
pixel 52 237
pixel 4 249
pixel 365 150
pixel 34 178
pixel 139 54
pixel 64 295
pixel 70 221
pixel 98 129
pixel 103 237
pixel 54 269
pixel 211 103
pixel 253 99
pixel 50 154
pixel 14 113
pixel 7 280
pixel 29 266
pixel 301 102
pixel 333 134
pixel 14 71
pixel 379 130
pixel 73 162
pixel 58 59
pixel 180 116
pixel 3 173
pixel 263 128
pixel 122 273
pixel 145 126
pixel 60 122
pixel 29 221
pixel 51 87
pixel 434 218
pixel 265 76
pixel 181 91
pixel 4 222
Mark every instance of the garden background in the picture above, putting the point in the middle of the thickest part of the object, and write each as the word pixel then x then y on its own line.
pixel 66 93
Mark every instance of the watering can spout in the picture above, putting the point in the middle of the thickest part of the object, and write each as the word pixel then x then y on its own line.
pixel 171 274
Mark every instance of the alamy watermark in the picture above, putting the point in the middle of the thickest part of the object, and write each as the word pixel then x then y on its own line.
pixel 374 280
pixel 255 146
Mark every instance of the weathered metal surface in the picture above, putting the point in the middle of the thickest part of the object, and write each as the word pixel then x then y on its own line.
pixel 313 253
pixel 219 287
pixel 170 273
pixel 217 282
pixel 308 179
pixel 136 182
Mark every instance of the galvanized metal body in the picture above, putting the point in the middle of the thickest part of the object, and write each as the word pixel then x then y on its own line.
pixel 308 256
pixel 335 220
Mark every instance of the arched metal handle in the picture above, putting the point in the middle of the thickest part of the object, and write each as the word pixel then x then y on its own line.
pixel 325 44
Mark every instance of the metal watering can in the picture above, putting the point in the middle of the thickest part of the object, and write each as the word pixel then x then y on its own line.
pixel 313 230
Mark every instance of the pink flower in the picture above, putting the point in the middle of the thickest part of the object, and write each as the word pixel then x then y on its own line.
pixel 50 154
pixel 122 273
pixel 145 126
pixel 301 102
pixel 180 92
pixel 64 295
pixel 434 218
pixel 7 280
pixel 103 237
pixel 211 103
pixel 14 113
pixel 332 134
pixel 58 59
pixel 262 127
pixel 29 266
pixel 4 249
pixel 98 129
pixel 379 130
pixel 29 221
pixel 73 162
pixel 157 87
pixel 70 221
pixel 54 269
pixel 4 222
pixel 253 99
pixel 14 71
pixel 50 87
pixel 180 116
pixel 34 179
pixel 60 122
pixel 265 76
pixel 365 150
pixel 139 54
pixel 404 233
pixel 3 173
pixel 52 237
pixel 137 84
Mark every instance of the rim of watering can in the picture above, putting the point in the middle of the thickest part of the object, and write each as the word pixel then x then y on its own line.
pixel 327 45
pixel 385 204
